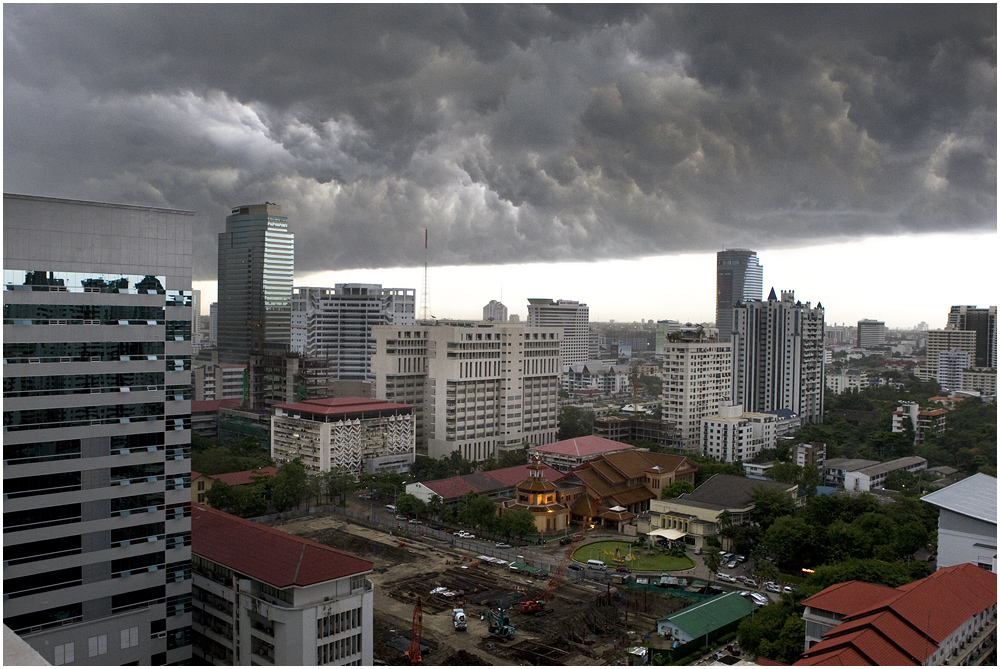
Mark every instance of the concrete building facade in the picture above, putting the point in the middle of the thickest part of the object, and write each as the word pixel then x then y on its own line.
pixel 97 438
pixel 733 435
pixel 871 333
pixel 943 341
pixel 967 522
pixel 697 380
pixel 983 321
pixel 495 311
pixel 574 319
pixel 354 434
pixel 256 266
pixel 778 356
pixel 334 324
pixel 264 597
pixel 477 388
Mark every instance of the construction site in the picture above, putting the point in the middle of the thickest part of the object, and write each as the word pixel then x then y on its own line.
pixel 507 618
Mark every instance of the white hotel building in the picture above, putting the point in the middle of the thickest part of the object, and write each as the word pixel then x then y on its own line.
pixel 697 379
pixel 477 388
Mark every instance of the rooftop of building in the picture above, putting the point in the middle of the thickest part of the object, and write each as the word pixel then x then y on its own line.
pixel 342 406
pixel 583 447
pixel 212 406
pixel 486 482
pixel 975 497
pixel 725 491
pixel 908 624
pixel 267 554
pixel 710 615
pixel 238 478
pixel 892 465
pixel 849 464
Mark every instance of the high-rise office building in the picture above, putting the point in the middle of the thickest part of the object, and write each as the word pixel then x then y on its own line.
pixel 982 321
pixel 96 420
pixel 871 333
pixel 739 277
pixel 476 388
pixel 778 356
pixel 213 323
pixel 495 311
pixel 574 319
pixel 697 380
pixel 256 265
pixel 334 324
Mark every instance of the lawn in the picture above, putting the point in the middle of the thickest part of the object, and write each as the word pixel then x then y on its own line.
pixel 645 560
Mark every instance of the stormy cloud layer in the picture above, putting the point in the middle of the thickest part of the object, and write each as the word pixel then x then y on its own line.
pixel 514 133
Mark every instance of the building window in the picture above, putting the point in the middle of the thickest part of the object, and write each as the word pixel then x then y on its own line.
pixel 201 485
pixel 64 654
pixel 98 645
pixel 130 637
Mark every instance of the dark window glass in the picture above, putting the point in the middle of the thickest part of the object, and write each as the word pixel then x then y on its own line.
pixel 137 563
pixel 36 419
pixel 104 314
pixel 39 620
pixel 136 532
pixel 80 351
pixel 141 502
pixel 136 472
pixel 43 581
pixel 27 486
pixel 29 519
pixel 42 550
pixel 41 451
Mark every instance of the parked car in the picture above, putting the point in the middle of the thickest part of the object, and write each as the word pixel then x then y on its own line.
pixel 787 588
pixel 502 545
pixel 416 521
pixel 759 599
pixel 741 558
pixel 576 567
pixel 566 541
pixel 771 587
pixel 751 582
pixel 400 517
pixel 623 570
pixel 726 577
pixel 731 565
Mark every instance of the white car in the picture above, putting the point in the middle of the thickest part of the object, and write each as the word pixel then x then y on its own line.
pixel 727 578
pixel 502 545
pixel 787 588
pixel 759 599
pixel 771 587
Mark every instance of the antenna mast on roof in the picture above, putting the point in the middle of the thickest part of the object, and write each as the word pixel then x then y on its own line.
pixel 425 309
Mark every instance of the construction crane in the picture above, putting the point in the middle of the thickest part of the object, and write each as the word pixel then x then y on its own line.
pixel 538 606
pixel 415 633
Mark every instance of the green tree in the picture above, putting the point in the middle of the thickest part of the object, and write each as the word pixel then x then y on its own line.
pixel 337 484
pixel 790 540
pixel 410 505
pixel 785 472
pixel 786 647
pixel 757 632
pixel 435 506
pixel 513 458
pixel 289 485
pixel 575 422
pixel 676 489
pixel 769 504
pixel 889 574
pixel 477 510
pixel 713 561
pixel 653 384
pixel 809 481
pixel 517 522
pixel 221 496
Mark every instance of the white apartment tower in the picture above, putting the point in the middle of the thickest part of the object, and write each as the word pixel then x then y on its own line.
pixel 334 324
pixel 574 319
pixel 477 388
pixel 495 311
pixel 97 430
pixel 213 323
pixel 697 380
pixel 778 356
pixel 733 435
pixel 946 341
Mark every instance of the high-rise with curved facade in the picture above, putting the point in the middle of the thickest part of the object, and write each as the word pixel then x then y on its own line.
pixel 739 278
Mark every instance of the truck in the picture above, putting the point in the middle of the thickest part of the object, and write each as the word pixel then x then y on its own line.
pixel 459 620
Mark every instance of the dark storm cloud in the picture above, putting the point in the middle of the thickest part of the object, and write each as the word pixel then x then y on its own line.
pixel 514 133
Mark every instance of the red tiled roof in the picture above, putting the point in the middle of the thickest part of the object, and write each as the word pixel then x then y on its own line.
pixel 242 478
pixel 904 625
pixel 342 406
pixel 267 554
pixel 588 446
pixel 485 482
pixel 847 598
pixel 211 406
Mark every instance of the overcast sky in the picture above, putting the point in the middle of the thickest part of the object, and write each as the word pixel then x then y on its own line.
pixel 529 134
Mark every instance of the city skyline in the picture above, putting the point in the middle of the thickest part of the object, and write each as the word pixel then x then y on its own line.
pixel 853 280
pixel 520 134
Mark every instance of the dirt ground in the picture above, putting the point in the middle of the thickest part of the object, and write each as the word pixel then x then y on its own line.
pixel 586 623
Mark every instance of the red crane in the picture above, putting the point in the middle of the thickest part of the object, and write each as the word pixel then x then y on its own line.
pixel 415 633
pixel 538 605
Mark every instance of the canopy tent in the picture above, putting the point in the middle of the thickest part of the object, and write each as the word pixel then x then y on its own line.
pixel 672 535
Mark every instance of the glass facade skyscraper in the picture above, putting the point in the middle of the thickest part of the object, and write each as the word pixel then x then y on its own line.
pixel 739 278
pixel 256 268
pixel 97 430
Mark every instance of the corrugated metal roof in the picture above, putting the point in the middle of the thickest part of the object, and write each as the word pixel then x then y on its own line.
pixel 711 614
pixel 975 496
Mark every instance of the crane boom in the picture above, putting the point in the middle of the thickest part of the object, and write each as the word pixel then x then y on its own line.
pixel 416 632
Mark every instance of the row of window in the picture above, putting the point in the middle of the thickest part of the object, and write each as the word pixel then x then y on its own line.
pixel 340 648
pixel 31 352
pixel 336 623
pixel 37 419
pixel 95 314
pixel 82 384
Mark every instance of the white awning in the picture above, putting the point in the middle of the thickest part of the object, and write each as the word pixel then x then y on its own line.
pixel 672 535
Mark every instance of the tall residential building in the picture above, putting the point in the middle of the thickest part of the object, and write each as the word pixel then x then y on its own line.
pixel 983 321
pixel 213 328
pixel 574 319
pixel 97 438
pixel 334 324
pixel 739 277
pixel 778 356
pixel 495 311
pixel 945 341
pixel 732 435
pixel 264 597
pixel 256 264
pixel 195 315
pixel 477 388
pixel 871 333
pixel 951 364
pixel 697 380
